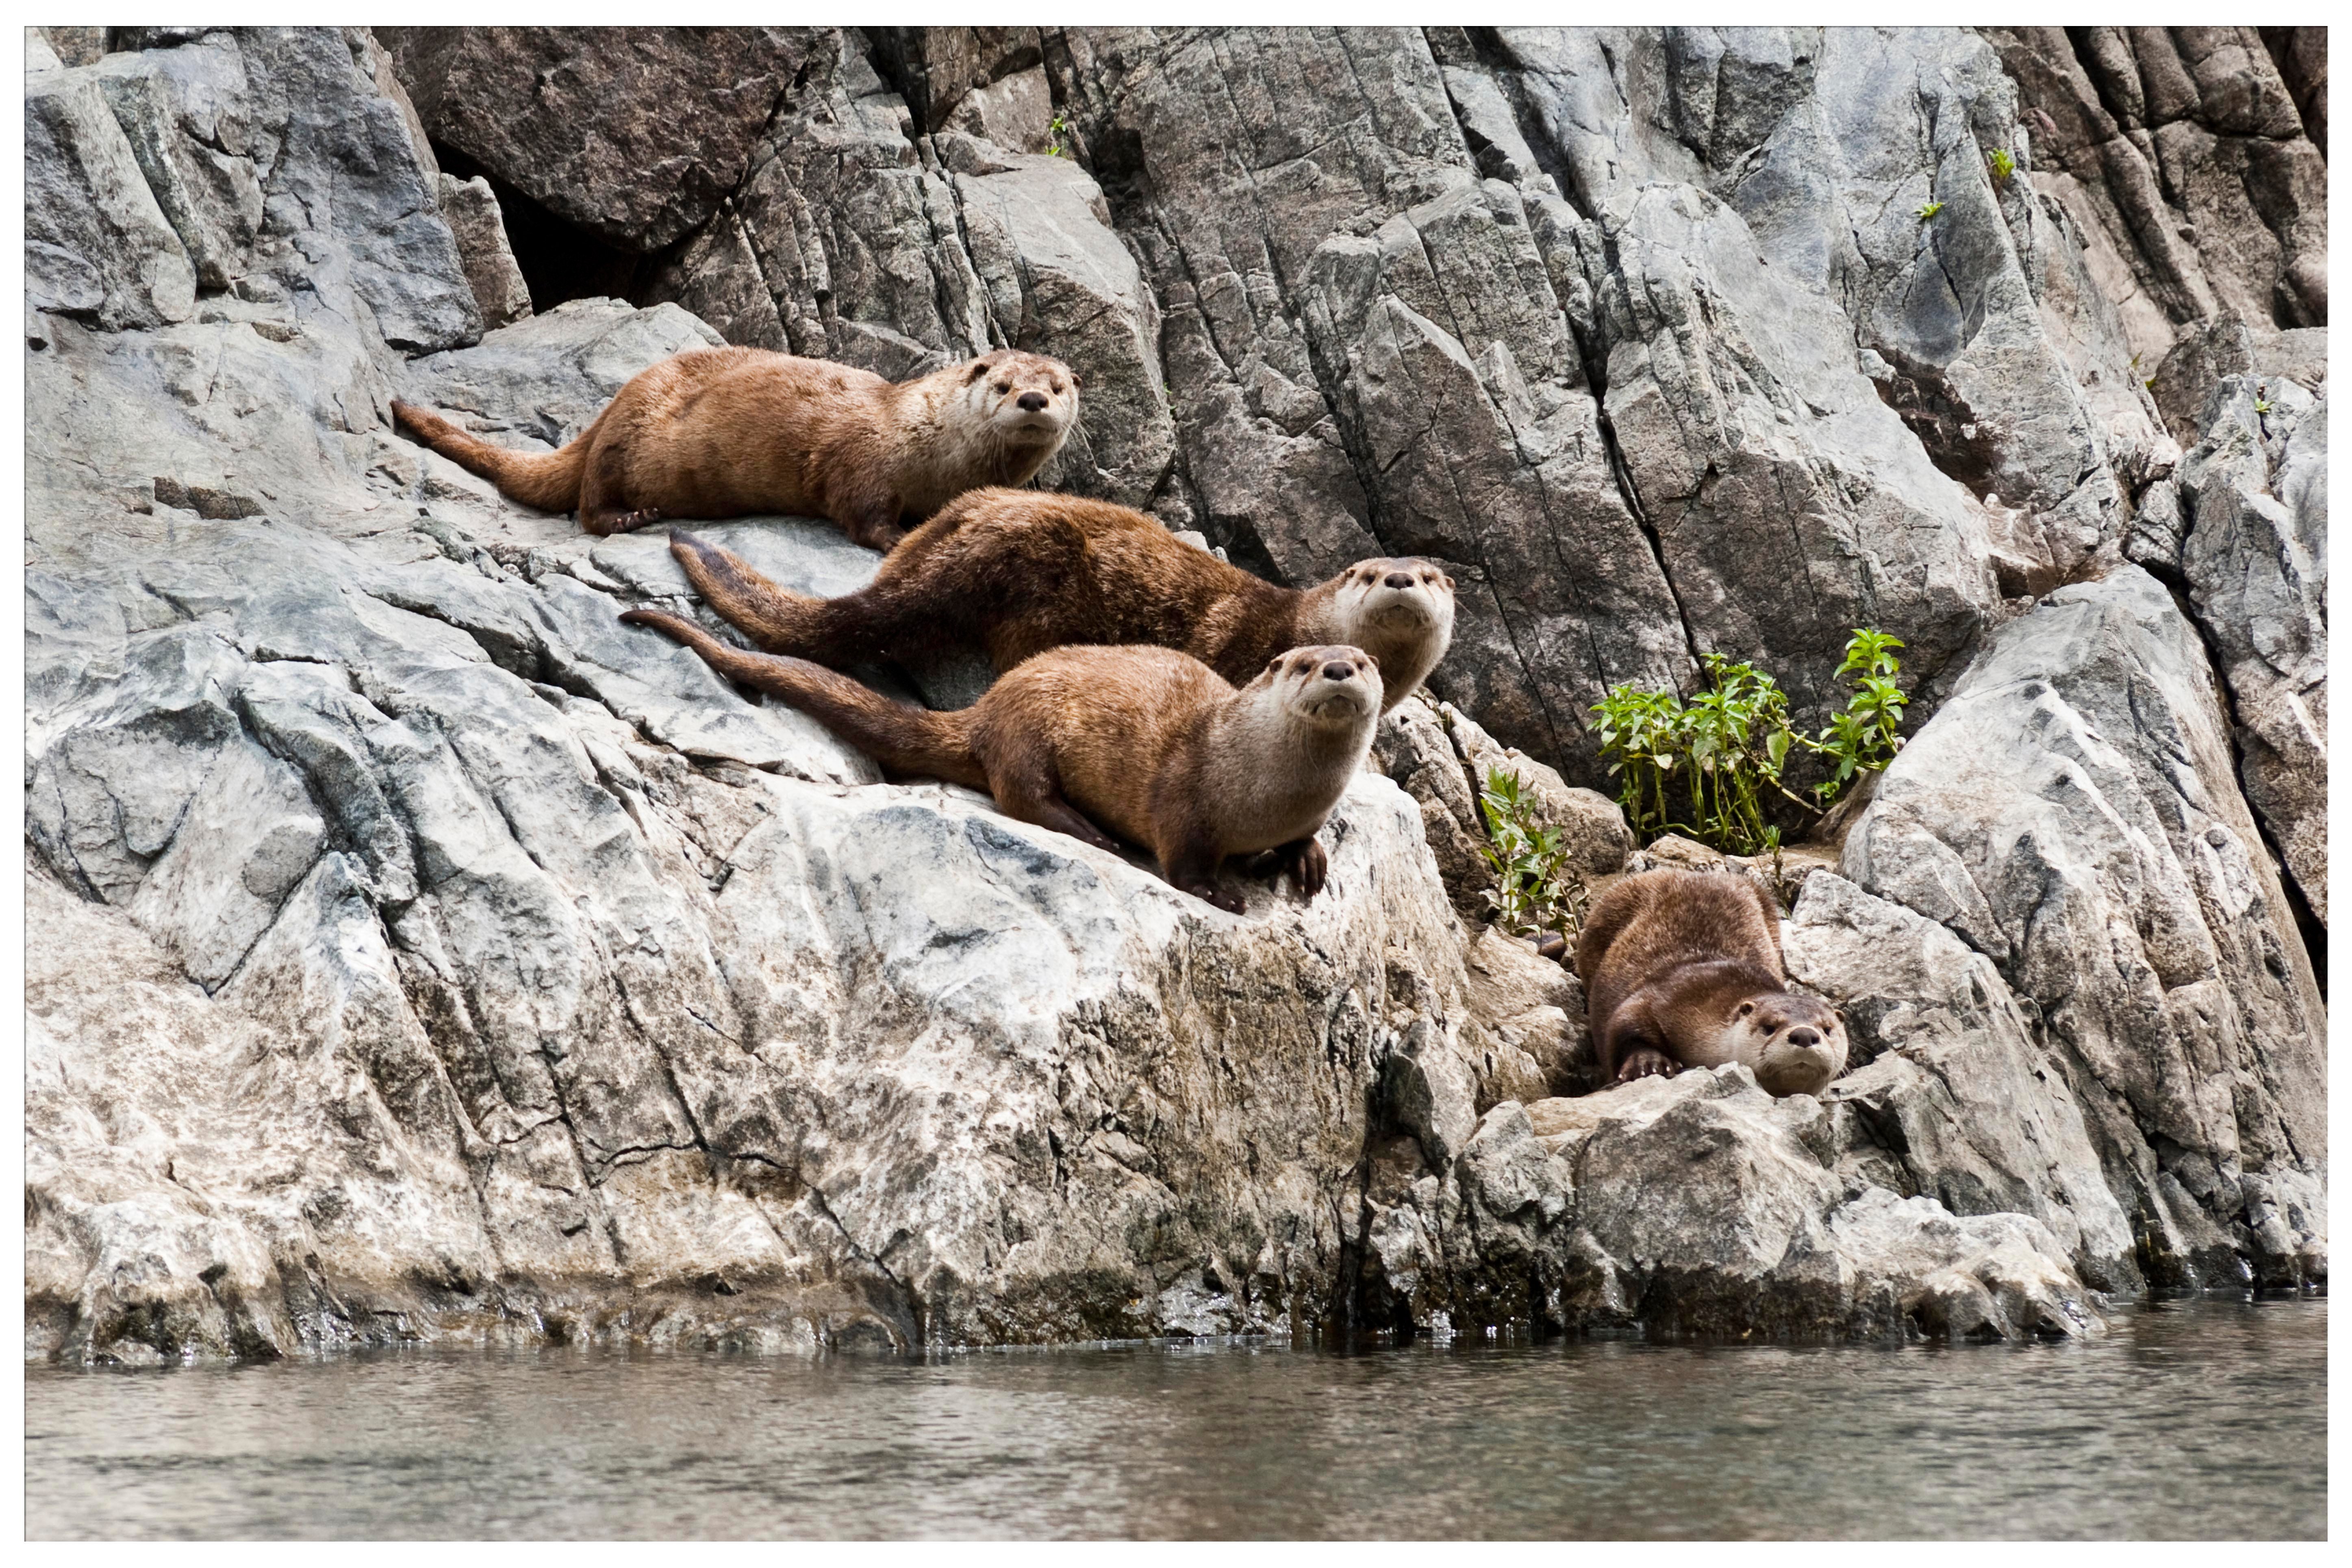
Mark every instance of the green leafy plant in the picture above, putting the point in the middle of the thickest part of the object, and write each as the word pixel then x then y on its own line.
pixel 1535 889
pixel 2262 400
pixel 1057 135
pixel 1723 756
pixel 1929 209
pixel 2003 166
pixel 1863 739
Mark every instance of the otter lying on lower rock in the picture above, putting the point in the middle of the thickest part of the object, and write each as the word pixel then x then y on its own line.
pixel 1146 741
pixel 1018 571
pixel 731 432
pixel 1684 969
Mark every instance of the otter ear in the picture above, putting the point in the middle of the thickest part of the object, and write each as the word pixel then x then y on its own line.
pixel 1449 583
pixel 1374 657
pixel 978 367
pixel 1746 1008
pixel 1077 382
pixel 1274 664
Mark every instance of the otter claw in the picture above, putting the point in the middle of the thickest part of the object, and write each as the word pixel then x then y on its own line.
pixel 1647 1063
pixel 1209 893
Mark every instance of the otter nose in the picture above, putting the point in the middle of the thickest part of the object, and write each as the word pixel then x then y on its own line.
pixel 1034 402
pixel 1803 1037
pixel 1336 671
pixel 1399 579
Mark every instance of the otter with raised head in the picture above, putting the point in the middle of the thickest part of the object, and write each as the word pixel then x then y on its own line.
pixel 714 433
pixel 1684 969
pixel 1143 744
pixel 1016 573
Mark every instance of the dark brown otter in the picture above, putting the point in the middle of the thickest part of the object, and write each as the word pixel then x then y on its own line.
pixel 1141 743
pixel 1016 572
pixel 716 433
pixel 1685 969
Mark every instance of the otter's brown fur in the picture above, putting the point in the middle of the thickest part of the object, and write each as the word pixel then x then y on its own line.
pixel 1685 969
pixel 716 433
pixel 1143 744
pixel 1016 573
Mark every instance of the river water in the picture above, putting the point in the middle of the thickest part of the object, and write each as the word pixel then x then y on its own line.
pixel 2191 1420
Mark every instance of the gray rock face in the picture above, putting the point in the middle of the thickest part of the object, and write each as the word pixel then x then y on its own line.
pixel 261 157
pixel 634 133
pixel 96 244
pixel 2181 156
pixel 2254 552
pixel 471 210
pixel 2072 814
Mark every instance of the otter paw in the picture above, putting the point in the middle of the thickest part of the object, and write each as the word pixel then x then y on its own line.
pixel 1646 1062
pixel 1209 893
pixel 630 521
pixel 1308 866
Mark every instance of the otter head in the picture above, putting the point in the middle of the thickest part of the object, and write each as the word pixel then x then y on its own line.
pixel 1402 606
pixel 1793 1043
pixel 1026 400
pixel 1335 688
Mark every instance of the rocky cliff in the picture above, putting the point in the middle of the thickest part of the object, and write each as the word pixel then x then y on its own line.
pixel 415 952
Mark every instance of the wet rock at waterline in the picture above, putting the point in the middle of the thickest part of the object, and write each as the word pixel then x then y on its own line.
pixel 419 954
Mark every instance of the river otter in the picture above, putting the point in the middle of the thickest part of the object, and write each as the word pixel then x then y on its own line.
pixel 726 432
pixel 1019 572
pixel 1148 742
pixel 1684 969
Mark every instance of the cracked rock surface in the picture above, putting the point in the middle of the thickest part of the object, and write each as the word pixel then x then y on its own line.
pixel 417 953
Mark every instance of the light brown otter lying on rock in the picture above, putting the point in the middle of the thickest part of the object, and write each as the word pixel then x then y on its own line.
pixel 1684 969
pixel 1145 742
pixel 727 432
pixel 1017 571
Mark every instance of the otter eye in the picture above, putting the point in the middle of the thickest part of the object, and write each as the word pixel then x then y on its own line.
pixel 1004 386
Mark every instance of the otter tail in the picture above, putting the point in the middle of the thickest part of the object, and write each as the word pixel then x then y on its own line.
pixel 548 480
pixel 904 740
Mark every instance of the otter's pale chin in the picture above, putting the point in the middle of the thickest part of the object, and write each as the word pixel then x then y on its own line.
pixel 1805 1072
pixel 1342 707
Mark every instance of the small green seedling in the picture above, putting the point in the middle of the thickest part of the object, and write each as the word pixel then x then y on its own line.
pixel 1535 889
pixel 2262 401
pixel 1057 136
pixel 1929 209
pixel 2003 166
